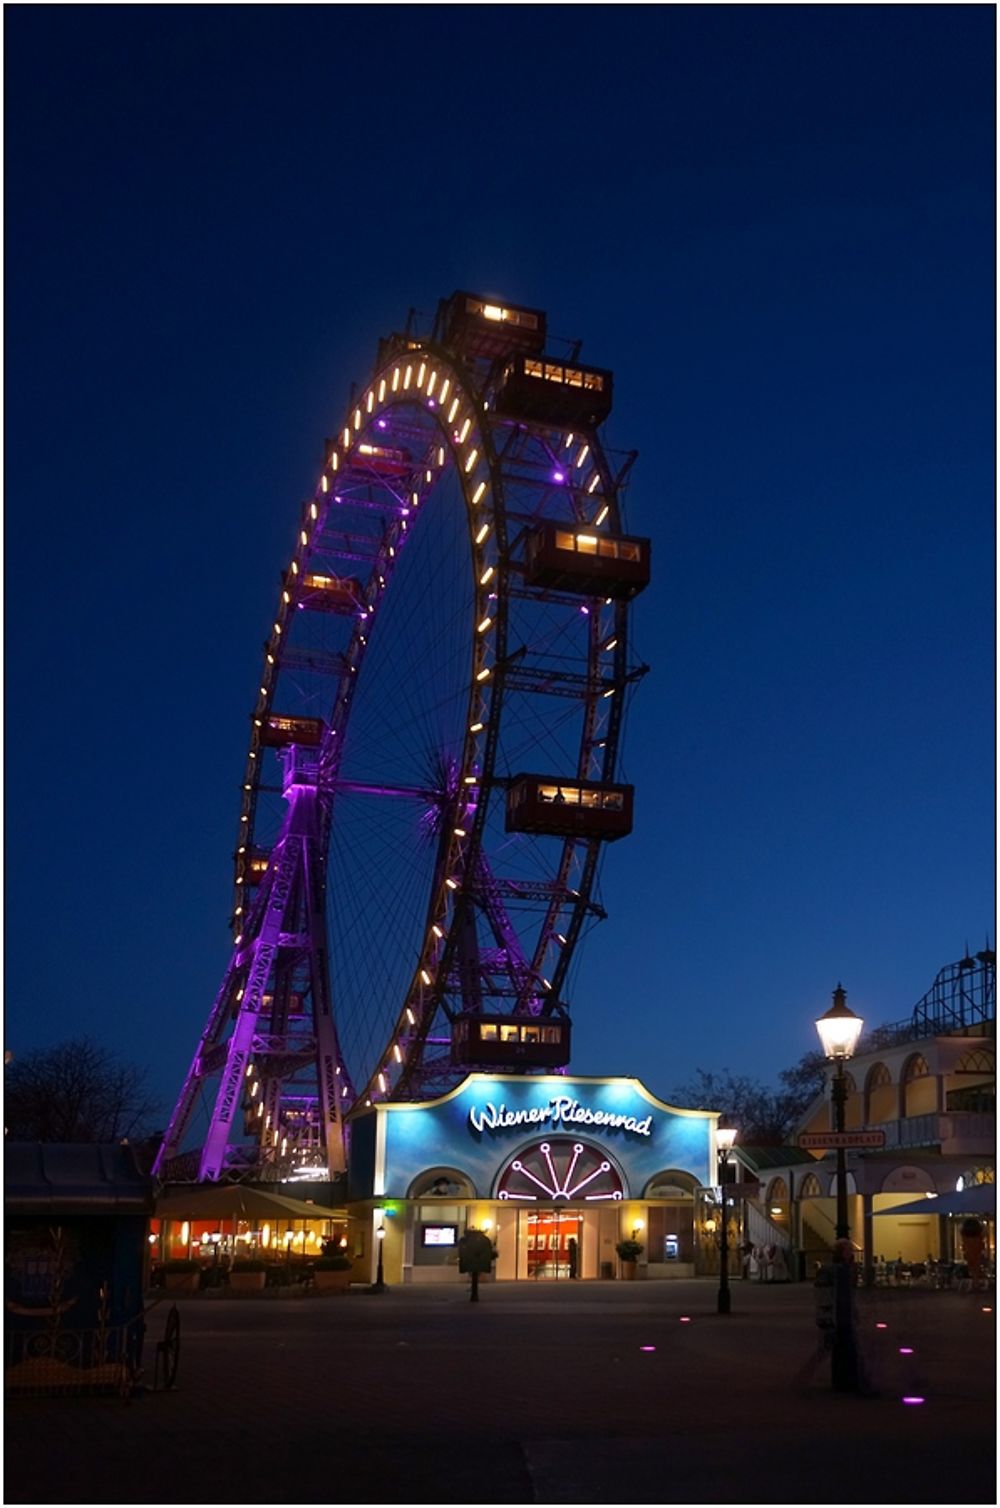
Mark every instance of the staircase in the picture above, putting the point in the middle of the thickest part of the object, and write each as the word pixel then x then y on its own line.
pixel 762 1231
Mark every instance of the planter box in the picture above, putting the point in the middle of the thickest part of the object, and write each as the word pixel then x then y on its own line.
pixel 331 1281
pixel 181 1282
pixel 629 1270
pixel 247 1282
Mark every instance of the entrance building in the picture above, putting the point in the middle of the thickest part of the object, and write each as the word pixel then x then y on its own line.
pixel 556 1169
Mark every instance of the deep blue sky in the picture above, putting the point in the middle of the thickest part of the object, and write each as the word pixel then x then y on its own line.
pixel 775 224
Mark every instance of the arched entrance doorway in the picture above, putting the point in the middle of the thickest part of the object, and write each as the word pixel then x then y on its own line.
pixel 566 1191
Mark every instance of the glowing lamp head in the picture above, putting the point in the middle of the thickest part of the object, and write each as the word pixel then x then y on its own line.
pixel 725 1135
pixel 839 1028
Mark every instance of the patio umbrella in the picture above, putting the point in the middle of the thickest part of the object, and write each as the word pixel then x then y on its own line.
pixel 227 1201
pixel 977 1199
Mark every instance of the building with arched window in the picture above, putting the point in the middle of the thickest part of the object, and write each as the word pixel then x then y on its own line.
pixel 926 1091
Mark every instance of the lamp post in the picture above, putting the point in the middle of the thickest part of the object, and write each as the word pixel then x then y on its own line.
pixel 839 1029
pixel 725 1136
pixel 379 1284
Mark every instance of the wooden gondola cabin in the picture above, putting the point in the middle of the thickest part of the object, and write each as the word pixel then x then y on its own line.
pixel 554 392
pixel 331 594
pixel 255 868
pixel 568 808
pixel 384 460
pixel 279 731
pixel 482 1041
pixel 485 328
pixel 584 561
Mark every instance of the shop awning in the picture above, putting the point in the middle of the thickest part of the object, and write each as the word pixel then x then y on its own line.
pixel 60 1178
pixel 229 1201
pixel 979 1199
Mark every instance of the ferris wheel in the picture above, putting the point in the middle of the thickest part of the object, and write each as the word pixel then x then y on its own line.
pixel 433 755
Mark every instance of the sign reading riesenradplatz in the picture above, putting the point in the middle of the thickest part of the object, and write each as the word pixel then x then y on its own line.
pixel 816 1141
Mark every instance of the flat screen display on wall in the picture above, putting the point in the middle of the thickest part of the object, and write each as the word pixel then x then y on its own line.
pixel 439 1235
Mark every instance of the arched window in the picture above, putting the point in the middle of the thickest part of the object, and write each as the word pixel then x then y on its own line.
pixel 560 1168
pixel 777 1195
pixel 973 1176
pixel 670 1184
pixel 880 1095
pixel 919 1088
pixel 977 1061
pixel 810 1188
pixel 441 1183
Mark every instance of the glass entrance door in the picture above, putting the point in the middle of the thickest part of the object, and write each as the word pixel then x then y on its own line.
pixel 553 1240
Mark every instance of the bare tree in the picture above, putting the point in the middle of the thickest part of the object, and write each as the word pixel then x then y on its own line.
pixel 765 1117
pixel 77 1091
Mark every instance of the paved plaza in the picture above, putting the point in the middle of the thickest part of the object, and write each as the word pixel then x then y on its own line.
pixel 557 1393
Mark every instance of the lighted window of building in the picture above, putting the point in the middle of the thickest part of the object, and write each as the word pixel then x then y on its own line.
pixel 508 1032
pixel 488 1031
pixel 565 540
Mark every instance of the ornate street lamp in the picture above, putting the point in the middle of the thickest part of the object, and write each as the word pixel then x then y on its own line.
pixel 725 1136
pixel 839 1029
pixel 379 1284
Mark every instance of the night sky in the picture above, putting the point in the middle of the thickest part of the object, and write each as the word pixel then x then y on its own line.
pixel 775 224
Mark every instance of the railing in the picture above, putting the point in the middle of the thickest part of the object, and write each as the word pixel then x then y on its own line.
pixel 935 1129
pixel 761 1231
pixel 55 1360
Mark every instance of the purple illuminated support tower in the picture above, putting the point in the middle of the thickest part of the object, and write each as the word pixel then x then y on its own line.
pixel 270 1042
pixel 433 761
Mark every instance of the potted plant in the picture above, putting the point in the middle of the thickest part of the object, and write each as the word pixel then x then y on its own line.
pixel 180 1274
pixel 629 1252
pixel 332 1273
pixel 248 1275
